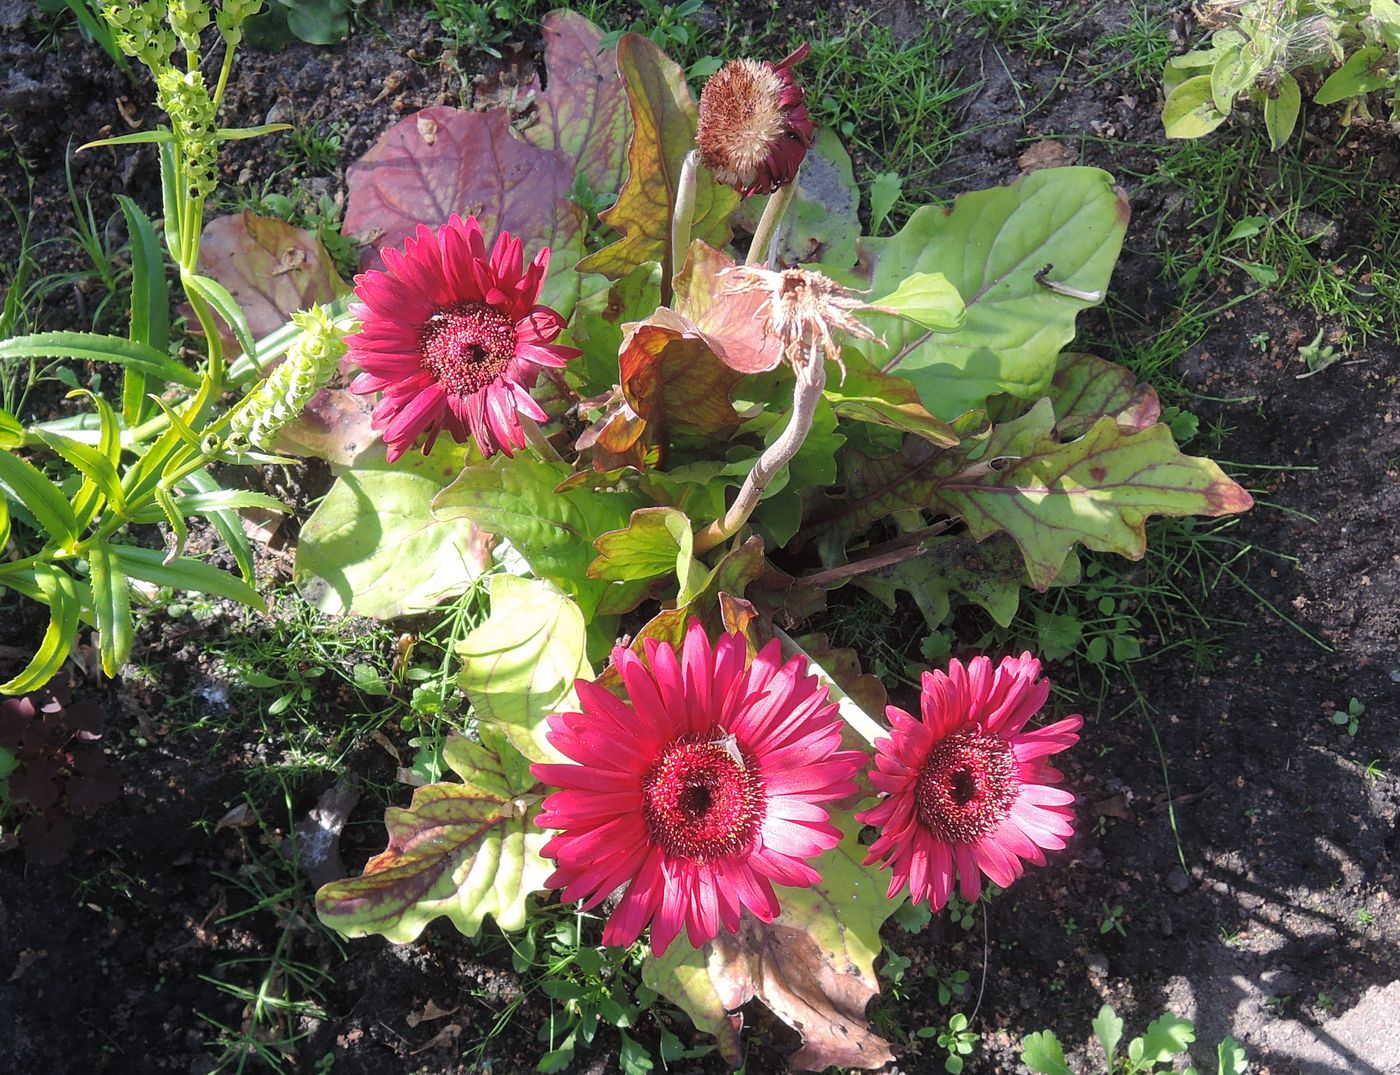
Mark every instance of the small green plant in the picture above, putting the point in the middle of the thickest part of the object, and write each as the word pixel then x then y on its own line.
pixel 1350 717
pixel 953 985
pixel 473 27
pixel 1111 921
pixel 955 1039
pixel 1317 356
pixel 671 26
pixel 1166 1038
pixel 1262 51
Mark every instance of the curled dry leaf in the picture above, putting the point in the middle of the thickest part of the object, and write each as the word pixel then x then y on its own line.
pixel 270 267
pixel 813 966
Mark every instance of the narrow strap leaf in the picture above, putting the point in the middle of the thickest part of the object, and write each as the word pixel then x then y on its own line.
pixel 98 348
pixel 176 521
pixel 96 468
pixel 4 523
pixel 185 574
pixel 111 603
pixel 11 430
pixel 234 134
pixel 136 138
pixel 60 593
pixel 150 304
pixel 225 519
pixel 26 485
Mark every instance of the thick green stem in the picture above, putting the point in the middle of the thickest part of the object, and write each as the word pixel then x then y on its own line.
pixel 684 214
pixel 769 224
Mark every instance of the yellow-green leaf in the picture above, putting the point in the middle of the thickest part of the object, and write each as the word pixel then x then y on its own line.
pixel 663 132
pixel 58 590
pixel 111 603
pixel 460 850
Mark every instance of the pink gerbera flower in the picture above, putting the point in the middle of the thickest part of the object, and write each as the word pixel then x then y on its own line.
pixel 454 339
pixel 970 791
pixel 700 795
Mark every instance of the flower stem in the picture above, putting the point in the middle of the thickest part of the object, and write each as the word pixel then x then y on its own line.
pixel 811 379
pixel 859 721
pixel 535 438
pixel 769 224
pixel 684 214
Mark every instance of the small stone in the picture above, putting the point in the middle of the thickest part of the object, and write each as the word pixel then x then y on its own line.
pixel 1177 880
pixel 1097 965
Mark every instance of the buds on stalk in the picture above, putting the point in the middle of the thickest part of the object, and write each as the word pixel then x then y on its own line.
pixel 754 127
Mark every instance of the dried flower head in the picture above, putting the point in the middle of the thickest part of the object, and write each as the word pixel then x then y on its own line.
pixel 802 310
pixel 754 126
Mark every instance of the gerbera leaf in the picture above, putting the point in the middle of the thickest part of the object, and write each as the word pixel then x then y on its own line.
pixel 998 248
pixel 663 132
pixel 1097 491
pixel 583 108
pixel 813 966
pixel 460 850
pixel 554 531
pixel 520 664
pixel 269 267
pixel 373 547
pixel 428 166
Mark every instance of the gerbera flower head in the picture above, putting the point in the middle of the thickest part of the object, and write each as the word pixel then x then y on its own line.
pixel 754 126
pixel 454 338
pixel 970 791
pixel 701 794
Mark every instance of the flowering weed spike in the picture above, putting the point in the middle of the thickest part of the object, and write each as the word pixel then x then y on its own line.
pixel 310 364
pixel 969 790
pixel 455 339
pixel 700 795
pixel 754 126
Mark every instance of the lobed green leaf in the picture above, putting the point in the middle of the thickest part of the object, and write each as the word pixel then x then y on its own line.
pixel 460 850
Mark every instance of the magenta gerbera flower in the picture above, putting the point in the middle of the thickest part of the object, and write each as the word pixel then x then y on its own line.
pixel 454 339
pixel 700 795
pixel 970 791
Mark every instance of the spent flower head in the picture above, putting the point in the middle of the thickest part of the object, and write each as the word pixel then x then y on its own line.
pixel 754 126
pixel 803 309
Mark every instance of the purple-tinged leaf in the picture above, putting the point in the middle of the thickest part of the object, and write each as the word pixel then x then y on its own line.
pixel 442 161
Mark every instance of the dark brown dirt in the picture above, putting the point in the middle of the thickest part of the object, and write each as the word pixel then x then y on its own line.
pixel 1290 848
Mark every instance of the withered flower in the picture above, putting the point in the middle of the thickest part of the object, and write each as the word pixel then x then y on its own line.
pixel 754 126
pixel 802 310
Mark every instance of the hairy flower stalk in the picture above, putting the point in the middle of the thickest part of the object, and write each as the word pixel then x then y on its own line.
pixel 698 797
pixel 803 310
pixel 968 789
pixel 310 364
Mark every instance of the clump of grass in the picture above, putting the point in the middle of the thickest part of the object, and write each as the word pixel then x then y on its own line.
pixel 890 99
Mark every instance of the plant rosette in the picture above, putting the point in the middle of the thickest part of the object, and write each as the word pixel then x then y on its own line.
pixel 658 437
pixel 643 430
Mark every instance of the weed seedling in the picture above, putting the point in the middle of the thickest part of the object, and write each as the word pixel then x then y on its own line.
pixel 1350 717
pixel 1112 920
